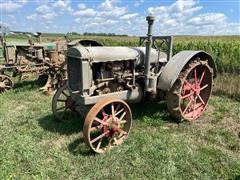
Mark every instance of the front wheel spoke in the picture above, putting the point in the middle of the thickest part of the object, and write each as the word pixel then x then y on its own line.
pixel 122 116
pixel 61 100
pixel 113 112
pixel 61 108
pixel 99 137
pixel 99 144
pixel 123 122
pixel 93 129
pixel 120 140
pixel 99 120
pixel 117 108
pixel 103 112
pixel 65 94
pixel 119 112
pixel 206 85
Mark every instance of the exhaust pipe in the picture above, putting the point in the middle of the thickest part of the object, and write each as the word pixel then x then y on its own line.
pixel 147 73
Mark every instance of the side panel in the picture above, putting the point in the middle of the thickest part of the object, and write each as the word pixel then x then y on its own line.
pixel 173 68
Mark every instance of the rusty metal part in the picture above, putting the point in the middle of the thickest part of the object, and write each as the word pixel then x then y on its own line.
pixel 63 107
pixel 189 95
pixel 6 83
pixel 107 124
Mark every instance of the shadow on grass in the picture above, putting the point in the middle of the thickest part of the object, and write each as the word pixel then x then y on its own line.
pixel 27 85
pixel 237 177
pixel 156 111
pixel 74 125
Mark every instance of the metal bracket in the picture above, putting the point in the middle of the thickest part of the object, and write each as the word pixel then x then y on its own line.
pixel 161 43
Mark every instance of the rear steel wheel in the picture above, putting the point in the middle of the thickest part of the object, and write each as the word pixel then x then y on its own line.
pixel 6 83
pixel 63 106
pixel 189 95
pixel 107 124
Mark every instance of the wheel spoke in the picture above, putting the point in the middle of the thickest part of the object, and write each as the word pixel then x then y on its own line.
pixel 188 84
pixel 118 106
pixel 60 108
pixel 99 120
pixel 200 81
pixel 206 85
pixel 122 116
pixel 99 144
pixel 188 95
pixel 61 100
pixel 113 112
pixel 119 112
pixel 201 99
pixel 123 122
pixel 187 106
pixel 99 137
pixel 195 75
pixel 194 103
pixel 65 94
pixel 93 129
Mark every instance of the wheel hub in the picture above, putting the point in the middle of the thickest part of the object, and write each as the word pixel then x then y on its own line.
pixel 69 103
pixel 112 125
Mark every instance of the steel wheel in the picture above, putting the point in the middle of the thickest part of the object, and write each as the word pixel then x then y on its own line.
pixel 189 95
pixel 107 124
pixel 63 107
pixel 6 83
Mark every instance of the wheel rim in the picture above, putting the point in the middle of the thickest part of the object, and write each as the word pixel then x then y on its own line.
pixel 107 125
pixel 63 106
pixel 195 91
pixel 5 83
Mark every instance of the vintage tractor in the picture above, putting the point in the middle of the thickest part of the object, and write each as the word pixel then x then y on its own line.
pixel 45 60
pixel 103 80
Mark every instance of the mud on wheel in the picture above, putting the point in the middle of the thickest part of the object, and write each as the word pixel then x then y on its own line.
pixel 189 95
pixel 63 107
pixel 107 124
pixel 6 83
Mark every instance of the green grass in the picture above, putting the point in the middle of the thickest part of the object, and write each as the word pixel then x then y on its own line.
pixel 34 146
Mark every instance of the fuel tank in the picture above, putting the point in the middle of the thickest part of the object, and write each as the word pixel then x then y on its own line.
pixel 105 54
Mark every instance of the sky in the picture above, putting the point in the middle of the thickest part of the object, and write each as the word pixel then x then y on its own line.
pixel 181 17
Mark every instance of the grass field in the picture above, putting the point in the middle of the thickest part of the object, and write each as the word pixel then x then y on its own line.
pixel 34 146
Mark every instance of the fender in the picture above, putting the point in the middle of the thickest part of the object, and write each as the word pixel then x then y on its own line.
pixel 174 66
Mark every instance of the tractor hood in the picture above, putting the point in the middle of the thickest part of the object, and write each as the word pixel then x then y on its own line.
pixel 105 54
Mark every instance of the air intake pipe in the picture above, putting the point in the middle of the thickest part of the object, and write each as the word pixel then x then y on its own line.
pixel 147 72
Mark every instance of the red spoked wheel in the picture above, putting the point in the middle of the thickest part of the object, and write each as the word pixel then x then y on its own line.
pixel 107 124
pixel 6 83
pixel 189 95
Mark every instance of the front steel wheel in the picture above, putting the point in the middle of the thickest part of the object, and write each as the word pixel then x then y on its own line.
pixel 189 95
pixel 63 106
pixel 107 124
